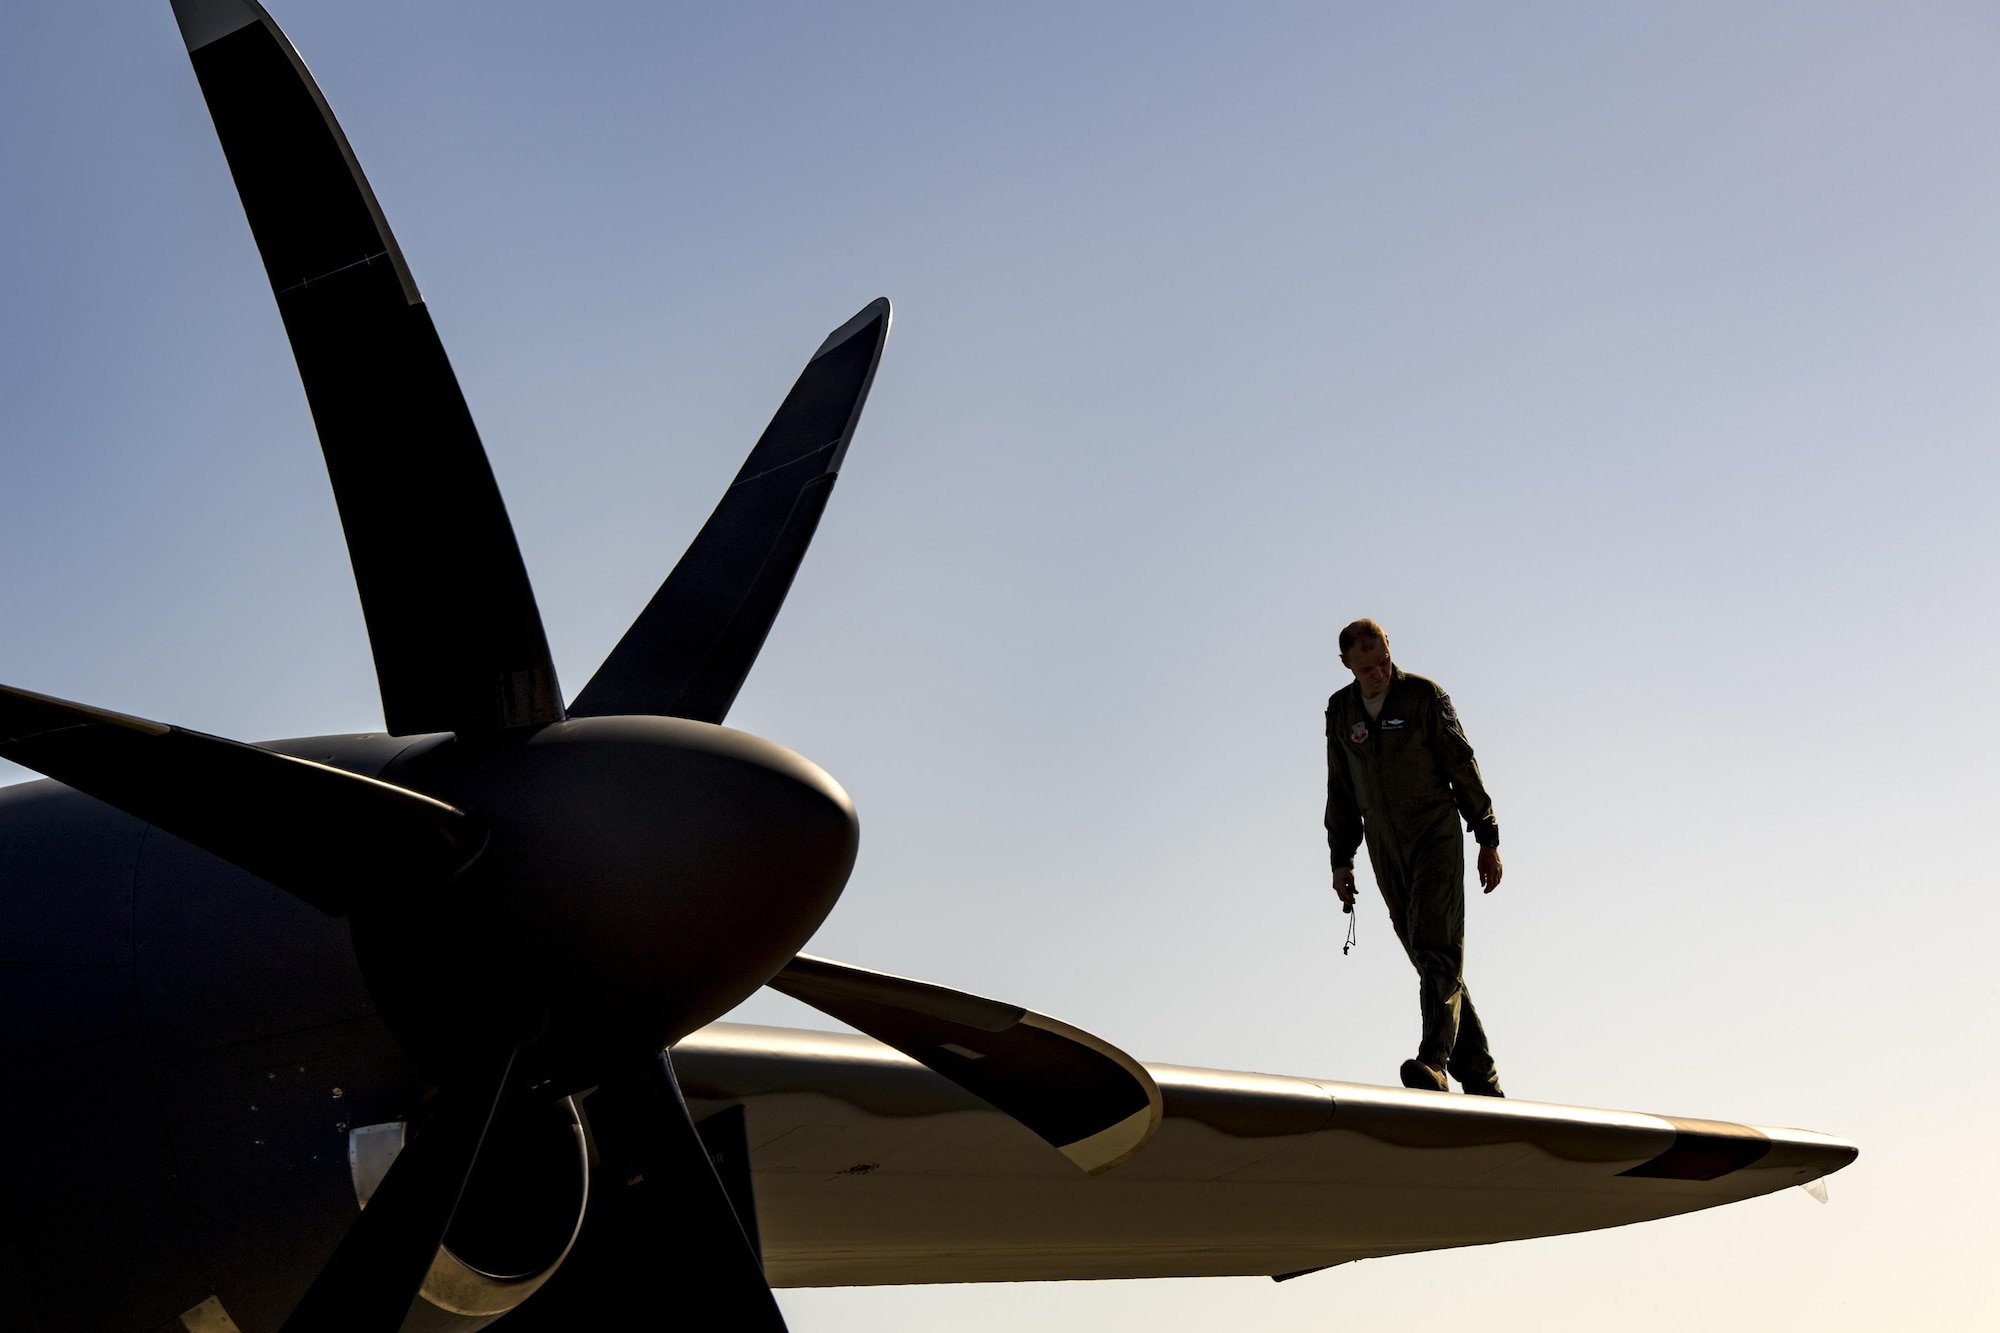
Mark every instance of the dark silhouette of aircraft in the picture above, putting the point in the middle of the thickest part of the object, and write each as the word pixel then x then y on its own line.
pixel 362 1033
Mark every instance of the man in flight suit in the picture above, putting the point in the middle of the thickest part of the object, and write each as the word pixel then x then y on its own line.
pixel 1400 773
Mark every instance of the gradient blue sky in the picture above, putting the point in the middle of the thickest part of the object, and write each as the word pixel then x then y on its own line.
pixel 1633 363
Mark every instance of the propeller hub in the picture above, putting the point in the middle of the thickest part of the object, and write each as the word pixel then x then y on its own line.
pixel 643 876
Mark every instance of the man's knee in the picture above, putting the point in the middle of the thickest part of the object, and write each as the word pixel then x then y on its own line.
pixel 1441 969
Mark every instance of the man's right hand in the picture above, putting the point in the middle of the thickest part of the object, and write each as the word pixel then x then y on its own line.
pixel 1343 884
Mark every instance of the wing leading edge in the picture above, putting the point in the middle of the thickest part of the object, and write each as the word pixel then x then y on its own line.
pixel 871 1169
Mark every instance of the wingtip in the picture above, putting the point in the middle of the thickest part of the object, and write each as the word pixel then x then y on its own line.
pixel 205 21
pixel 877 309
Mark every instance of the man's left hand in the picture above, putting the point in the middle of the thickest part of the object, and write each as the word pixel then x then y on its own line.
pixel 1489 868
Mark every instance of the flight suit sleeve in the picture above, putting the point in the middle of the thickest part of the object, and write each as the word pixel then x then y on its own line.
pixel 1343 809
pixel 1461 770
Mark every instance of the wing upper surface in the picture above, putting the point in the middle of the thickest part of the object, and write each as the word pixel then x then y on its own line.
pixel 870 1169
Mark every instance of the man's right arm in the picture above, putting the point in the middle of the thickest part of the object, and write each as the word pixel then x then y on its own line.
pixel 1343 815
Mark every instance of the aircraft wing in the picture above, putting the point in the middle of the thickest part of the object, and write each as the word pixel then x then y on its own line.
pixel 869 1169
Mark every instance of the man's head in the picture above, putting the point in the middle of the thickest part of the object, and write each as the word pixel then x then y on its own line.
pixel 1364 650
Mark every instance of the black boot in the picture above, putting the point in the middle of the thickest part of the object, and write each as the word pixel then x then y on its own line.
pixel 1482 1087
pixel 1425 1078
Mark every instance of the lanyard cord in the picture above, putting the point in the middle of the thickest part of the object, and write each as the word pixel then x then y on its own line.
pixel 1349 909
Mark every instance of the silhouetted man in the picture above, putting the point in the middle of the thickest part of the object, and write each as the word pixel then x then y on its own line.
pixel 1400 773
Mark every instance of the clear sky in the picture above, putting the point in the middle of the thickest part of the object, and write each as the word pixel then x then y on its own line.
pixel 1633 363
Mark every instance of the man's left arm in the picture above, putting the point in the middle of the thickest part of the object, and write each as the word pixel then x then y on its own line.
pixel 1468 791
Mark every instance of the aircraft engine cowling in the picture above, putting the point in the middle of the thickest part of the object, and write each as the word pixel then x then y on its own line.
pixel 516 1222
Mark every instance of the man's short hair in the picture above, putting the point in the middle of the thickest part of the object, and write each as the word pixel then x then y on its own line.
pixel 1360 630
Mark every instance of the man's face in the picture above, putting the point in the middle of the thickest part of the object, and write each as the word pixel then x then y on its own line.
pixel 1369 661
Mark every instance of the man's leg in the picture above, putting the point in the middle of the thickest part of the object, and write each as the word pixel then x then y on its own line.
pixel 1471 1062
pixel 1396 898
pixel 1427 1071
pixel 1437 947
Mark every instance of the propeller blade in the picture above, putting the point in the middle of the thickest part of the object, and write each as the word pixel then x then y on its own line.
pixel 373 1278
pixel 457 637
pixel 660 1232
pixel 314 831
pixel 1091 1101
pixel 688 652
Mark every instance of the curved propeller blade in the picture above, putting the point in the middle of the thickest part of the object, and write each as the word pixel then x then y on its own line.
pixel 457 636
pixel 691 648
pixel 374 1276
pixel 314 831
pixel 1091 1101
pixel 660 1232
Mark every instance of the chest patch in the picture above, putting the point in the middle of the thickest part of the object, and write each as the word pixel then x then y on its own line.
pixel 1392 724
pixel 1358 732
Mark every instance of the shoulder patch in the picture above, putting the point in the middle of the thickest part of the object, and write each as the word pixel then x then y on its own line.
pixel 1444 706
